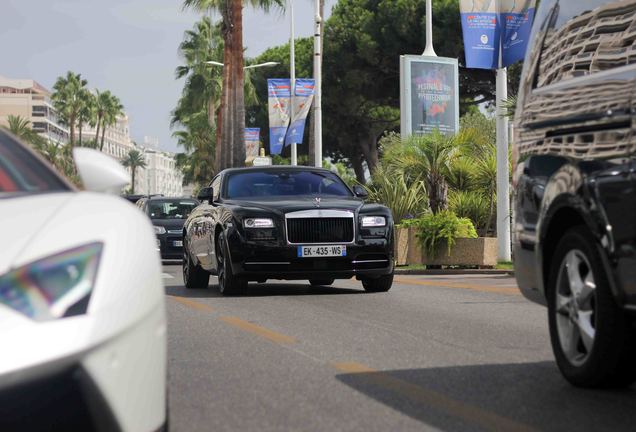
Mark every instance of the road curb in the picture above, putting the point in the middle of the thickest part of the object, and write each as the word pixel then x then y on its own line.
pixel 399 271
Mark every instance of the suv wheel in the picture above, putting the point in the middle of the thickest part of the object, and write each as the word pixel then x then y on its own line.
pixel 381 284
pixel 591 336
pixel 193 275
pixel 229 284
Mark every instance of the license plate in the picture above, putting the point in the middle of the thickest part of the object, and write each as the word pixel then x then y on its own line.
pixel 322 251
pixel 177 243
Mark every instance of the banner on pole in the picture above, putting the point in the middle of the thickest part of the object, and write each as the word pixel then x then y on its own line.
pixel 303 98
pixel 252 142
pixel 278 99
pixel 481 33
pixel 489 24
pixel 429 95
pixel 517 17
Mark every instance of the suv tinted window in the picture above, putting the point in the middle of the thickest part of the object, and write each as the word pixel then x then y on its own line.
pixel 587 36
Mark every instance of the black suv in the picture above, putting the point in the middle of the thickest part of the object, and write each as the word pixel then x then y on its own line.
pixel 574 230
pixel 168 216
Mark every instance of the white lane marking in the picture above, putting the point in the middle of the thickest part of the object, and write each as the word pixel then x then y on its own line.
pixel 166 276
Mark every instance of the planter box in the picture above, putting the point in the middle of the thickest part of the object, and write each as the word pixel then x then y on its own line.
pixel 414 249
pixel 481 252
pixel 401 245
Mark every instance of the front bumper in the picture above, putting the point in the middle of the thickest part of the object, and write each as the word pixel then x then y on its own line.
pixel 85 373
pixel 170 245
pixel 257 260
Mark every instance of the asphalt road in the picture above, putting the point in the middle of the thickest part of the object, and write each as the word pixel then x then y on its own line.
pixel 452 353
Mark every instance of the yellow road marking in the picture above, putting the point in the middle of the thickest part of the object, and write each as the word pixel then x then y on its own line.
pixel 192 304
pixel 438 401
pixel 482 288
pixel 258 330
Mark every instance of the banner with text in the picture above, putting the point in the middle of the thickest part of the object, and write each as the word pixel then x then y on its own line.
pixel 303 97
pixel 517 17
pixel 252 142
pixel 278 98
pixel 489 24
pixel 429 95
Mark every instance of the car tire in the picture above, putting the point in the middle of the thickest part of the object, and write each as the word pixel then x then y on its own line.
pixel 229 284
pixel 591 335
pixel 193 275
pixel 381 284
pixel 320 282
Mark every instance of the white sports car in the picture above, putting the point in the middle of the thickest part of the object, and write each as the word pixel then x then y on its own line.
pixel 82 309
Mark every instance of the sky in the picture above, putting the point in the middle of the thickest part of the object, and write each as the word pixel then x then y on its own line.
pixel 126 46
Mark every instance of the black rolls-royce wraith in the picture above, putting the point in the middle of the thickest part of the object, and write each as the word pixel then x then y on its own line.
pixel 282 222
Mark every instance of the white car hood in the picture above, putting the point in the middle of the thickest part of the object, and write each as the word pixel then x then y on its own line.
pixel 22 219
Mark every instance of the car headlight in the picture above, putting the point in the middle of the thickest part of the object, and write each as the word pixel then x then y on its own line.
pixel 373 221
pixel 258 223
pixel 54 287
pixel 159 229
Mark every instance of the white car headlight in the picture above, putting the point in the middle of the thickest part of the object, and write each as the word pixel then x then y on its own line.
pixel 159 229
pixel 258 223
pixel 53 287
pixel 373 221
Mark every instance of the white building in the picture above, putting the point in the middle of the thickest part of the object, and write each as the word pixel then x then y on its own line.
pixel 161 175
pixel 28 99
pixel 117 141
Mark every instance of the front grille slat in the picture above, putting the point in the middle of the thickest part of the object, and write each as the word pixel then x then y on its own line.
pixel 320 230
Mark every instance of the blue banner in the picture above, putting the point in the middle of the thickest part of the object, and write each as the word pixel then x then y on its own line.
pixel 278 98
pixel 303 97
pixel 489 24
pixel 516 34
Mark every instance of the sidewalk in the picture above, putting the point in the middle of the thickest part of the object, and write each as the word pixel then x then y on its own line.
pixel 407 271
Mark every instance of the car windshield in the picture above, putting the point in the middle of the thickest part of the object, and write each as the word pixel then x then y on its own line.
pixel 22 172
pixel 273 183
pixel 171 209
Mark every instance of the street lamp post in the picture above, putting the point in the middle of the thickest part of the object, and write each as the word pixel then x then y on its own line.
pixel 266 64
pixel 292 75
pixel 317 87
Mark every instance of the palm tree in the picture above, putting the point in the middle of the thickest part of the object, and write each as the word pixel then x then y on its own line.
pixel 101 100
pixel 20 127
pixel 430 156
pixel 232 148
pixel 112 109
pixel 67 99
pixel 86 113
pixel 133 160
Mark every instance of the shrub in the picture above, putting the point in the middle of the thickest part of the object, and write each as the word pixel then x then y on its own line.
pixel 434 228
pixel 390 188
pixel 472 205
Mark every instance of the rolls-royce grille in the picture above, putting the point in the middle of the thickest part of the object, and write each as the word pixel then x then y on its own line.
pixel 320 230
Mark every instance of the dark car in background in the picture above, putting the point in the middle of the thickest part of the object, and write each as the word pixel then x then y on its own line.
pixel 574 229
pixel 294 223
pixel 168 216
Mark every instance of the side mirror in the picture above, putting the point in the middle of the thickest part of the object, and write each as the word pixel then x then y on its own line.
pixel 99 172
pixel 360 191
pixel 206 194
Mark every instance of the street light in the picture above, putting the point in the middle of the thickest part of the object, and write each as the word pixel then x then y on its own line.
pixel 266 64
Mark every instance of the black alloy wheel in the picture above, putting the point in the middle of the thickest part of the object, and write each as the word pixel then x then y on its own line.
pixel 592 337
pixel 381 284
pixel 229 284
pixel 193 275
